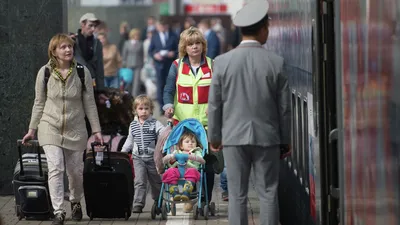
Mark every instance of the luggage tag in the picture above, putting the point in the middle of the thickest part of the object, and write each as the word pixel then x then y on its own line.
pixel 99 155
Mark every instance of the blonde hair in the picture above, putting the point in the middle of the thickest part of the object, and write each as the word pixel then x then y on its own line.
pixel 145 100
pixel 56 41
pixel 190 36
pixel 134 32
pixel 190 135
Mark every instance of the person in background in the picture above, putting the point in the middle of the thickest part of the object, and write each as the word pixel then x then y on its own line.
pixel 63 136
pixel 235 38
pixel 133 57
pixel 177 28
pixel 189 22
pixel 224 185
pixel 88 50
pixel 146 46
pixel 112 62
pixel 218 28
pixel 124 35
pixel 151 27
pixel 164 50
pixel 213 42
pixel 148 74
pixel 141 141
pixel 101 28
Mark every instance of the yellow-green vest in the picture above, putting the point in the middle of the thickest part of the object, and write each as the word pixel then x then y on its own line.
pixel 191 97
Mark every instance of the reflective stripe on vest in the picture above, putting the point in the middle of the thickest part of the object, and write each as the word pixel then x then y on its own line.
pixel 191 97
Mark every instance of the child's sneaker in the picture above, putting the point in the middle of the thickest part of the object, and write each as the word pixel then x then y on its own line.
pixel 174 191
pixel 187 190
pixel 137 209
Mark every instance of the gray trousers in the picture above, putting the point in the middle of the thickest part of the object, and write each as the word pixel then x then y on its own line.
pixel 145 170
pixel 265 163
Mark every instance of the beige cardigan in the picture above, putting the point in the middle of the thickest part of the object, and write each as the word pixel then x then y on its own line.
pixel 60 117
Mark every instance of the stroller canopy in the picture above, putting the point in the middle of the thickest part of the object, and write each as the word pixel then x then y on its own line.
pixel 192 125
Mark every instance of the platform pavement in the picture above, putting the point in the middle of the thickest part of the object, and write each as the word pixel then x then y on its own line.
pixel 9 218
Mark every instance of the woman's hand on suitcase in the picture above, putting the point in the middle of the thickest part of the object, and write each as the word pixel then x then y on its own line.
pixel 98 137
pixel 29 136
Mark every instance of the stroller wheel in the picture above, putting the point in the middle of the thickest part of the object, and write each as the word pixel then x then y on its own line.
pixel 212 208
pixel 206 212
pixel 153 211
pixel 164 212
pixel 201 209
pixel 195 212
pixel 173 209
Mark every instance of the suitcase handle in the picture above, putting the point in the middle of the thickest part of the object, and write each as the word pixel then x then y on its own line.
pixel 107 147
pixel 35 144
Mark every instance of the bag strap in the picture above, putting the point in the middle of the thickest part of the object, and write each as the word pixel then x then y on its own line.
pixel 81 73
pixel 46 78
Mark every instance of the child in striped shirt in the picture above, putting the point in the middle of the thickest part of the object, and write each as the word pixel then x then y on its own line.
pixel 141 141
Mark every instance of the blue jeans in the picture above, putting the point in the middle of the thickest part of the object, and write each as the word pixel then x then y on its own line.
pixel 224 181
pixel 112 82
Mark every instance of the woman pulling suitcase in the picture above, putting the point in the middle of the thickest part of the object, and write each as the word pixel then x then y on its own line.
pixel 63 96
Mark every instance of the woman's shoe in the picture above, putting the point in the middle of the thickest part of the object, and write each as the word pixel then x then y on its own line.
pixel 59 218
pixel 137 209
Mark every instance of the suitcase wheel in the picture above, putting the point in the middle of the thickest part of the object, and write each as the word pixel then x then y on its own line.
pixel 19 213
pixel 126 215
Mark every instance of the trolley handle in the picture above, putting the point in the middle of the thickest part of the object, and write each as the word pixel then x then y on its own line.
pixel 32 143
pixel 107 150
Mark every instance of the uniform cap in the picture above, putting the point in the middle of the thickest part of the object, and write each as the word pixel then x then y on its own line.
pixel 88 17
pixel 251 13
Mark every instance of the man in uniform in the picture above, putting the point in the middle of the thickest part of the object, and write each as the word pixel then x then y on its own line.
pixel 249 114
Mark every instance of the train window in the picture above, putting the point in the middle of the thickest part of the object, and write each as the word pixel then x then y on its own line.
pixel 305 145
pixel 294 132
pixel 299 135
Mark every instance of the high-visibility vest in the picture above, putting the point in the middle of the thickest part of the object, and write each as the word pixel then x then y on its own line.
pixel 191 97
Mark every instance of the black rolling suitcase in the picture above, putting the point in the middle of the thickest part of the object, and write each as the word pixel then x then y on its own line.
pixel 31 191
pixel 108 183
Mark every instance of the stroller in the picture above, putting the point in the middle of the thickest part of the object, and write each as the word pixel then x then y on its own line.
pixel 165 204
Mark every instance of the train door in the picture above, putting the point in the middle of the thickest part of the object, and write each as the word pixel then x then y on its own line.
pixel 327 115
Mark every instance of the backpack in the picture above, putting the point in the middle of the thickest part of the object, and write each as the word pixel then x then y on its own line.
pixel 79 68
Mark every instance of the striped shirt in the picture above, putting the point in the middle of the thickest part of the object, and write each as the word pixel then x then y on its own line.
pixel 142 138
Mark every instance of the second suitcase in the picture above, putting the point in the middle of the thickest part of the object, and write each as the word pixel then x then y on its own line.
pixel 32 198
pixel 108 184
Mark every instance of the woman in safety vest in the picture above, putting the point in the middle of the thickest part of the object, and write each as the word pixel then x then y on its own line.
pixel 186 89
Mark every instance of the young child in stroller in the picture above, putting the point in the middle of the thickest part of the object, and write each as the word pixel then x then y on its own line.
pixel 183 154
pixel 187 144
